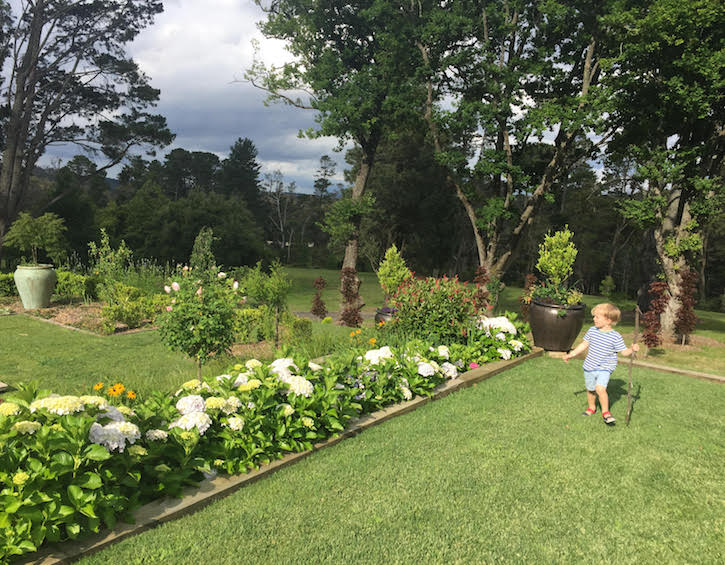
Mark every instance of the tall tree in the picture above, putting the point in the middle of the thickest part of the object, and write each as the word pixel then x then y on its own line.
pixel 352 66
pixel 67 79
pixel 667 100
pixel 238 175
pixel 502 75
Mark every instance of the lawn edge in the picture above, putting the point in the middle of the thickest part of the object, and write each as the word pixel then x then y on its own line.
pixel 210 490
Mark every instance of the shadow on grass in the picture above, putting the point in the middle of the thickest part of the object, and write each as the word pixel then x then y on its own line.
pixel 617 389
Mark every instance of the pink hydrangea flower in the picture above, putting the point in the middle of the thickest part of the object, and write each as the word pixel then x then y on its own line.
pixel 473 365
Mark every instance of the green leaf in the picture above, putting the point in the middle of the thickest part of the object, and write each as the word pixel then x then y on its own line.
pixel 89 511
pixel 75 493
pixel 73 530
pixel 96 452
pixel 90 480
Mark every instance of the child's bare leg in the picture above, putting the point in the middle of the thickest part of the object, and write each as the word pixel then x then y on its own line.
pixel 592 401
pixel 603 398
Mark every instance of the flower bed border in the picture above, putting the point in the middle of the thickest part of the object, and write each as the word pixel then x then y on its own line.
pixel 209 490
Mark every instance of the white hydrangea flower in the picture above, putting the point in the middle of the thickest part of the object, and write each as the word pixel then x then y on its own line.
pixel 287 410
pixel 190 404
pixel 500 323
pixel 231 405
pixel 112 413
pixel 444 352
pixel 314 366
pixel 126 411
pixel 242 379
pixel 505 353
pixel 235 423
pixel 307 422
pixel 157 435
pixel 9 409
pixel 449 370
pixel 215 403
pixel 284 375
pixel 407 395
pixel 199 420
pixel 97 401
pixel 253 364
pixel 300 386
pixel 223 378
pixel 374 356
pixel 26 427
pixel 59 405
pixel 114 435
pixel 426 369
pixel 516 345
pixel 500 336
pixel 279 364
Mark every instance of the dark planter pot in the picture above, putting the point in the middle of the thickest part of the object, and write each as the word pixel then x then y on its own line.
pixel 383 316
pixel 554 327
pixel 35 284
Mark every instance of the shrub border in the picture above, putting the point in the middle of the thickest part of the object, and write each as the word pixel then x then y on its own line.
pixel 210 490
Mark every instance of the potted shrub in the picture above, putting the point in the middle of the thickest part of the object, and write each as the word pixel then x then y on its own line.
pixel 556 312
pixel 35 281
pixel 392 272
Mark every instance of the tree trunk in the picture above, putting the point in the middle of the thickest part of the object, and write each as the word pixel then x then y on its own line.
pixel 352 247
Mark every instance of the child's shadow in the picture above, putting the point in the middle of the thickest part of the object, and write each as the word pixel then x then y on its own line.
pixel 617 389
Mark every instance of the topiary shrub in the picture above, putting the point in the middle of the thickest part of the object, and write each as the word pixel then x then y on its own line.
pixel 318 306
pixel 659 291
pixel 686 320
pixel 392 272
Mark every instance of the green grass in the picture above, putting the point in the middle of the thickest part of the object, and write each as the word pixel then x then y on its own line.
pixel 71 362
pixel 303 291
pixel 507 471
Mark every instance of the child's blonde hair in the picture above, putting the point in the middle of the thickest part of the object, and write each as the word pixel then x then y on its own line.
pixel 609 311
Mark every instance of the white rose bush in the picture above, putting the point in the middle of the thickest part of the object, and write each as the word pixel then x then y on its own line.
pixel 70 465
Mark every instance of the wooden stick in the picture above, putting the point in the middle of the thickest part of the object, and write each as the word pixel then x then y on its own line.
pixel 631 361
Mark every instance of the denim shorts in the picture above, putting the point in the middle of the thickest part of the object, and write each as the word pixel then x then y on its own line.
pixel 594 378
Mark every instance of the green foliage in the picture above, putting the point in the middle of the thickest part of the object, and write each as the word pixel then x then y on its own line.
pixel 108 264
pixel 31 234
pixel 607 287
pixel 71 285
pixel 200 319
pixel 344 215
pixel 252 325
pixel 392 271
pixel 435 309
pixel 267 288
pixel 129 306
pixel 7 285
pixel 202 256
pixel 300 330
pixel 556 256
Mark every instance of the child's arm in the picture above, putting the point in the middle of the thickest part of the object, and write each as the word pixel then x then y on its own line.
pixel 576 351
pixel 630 350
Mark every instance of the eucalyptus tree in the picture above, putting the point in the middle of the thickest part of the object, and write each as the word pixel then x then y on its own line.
pixel 66 78
pixel 353 66
pixel 501 76
pixel 666 91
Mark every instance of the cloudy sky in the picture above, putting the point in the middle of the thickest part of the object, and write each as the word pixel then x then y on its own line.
pixel 196 52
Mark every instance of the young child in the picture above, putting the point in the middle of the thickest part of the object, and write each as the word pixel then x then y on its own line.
pixel 604 343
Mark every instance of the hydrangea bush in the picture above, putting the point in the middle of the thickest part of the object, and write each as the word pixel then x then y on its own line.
pixel 70 465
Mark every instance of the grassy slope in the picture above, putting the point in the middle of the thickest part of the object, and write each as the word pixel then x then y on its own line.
pixel 485 475
pixel 303 291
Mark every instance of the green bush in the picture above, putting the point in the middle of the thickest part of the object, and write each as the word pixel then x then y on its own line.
pixel 392 272
pixel 252 325
pixel 436 309
pixel 7 285
pixel 130 307
pixel 72 285
pixel 300 330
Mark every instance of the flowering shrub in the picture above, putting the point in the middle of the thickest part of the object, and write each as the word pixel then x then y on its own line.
pixel 72 464
pixel 200 319
pixel 436 309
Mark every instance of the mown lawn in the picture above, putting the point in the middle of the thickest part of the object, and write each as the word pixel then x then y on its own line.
pixel 507 471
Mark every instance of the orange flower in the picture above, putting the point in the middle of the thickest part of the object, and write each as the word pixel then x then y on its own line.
pixel 98 386
pixel 358 332
pixel 131 394
pixel 372 341
pixel 116 390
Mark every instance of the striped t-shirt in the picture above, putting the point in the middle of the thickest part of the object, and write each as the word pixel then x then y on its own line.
pixel 603 348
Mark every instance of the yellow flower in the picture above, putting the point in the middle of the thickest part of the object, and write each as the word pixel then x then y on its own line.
pixel 137 451
pixel 372 341
pixel 131 394
pixel 358 332
pixel 381 323
pixel 238 367
pixel 116 390
pixel 98 385
pixel 20 478
pixel 352 334
pixel 251 385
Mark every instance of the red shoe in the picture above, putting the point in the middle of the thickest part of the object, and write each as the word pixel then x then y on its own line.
pixel 608 418
pixel 589 412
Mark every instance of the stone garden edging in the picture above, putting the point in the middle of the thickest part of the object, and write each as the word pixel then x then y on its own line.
pixel 209 490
